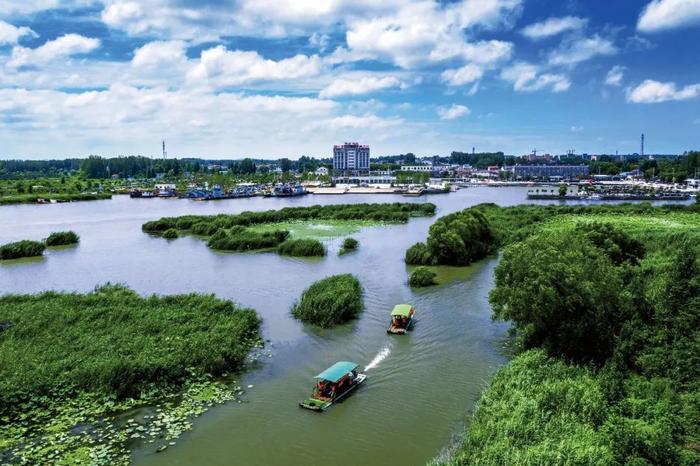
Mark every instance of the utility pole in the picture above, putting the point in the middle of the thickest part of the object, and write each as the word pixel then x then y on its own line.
pixel 165 154
pixel 642 152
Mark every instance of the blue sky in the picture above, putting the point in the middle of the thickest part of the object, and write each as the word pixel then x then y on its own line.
pixel 270 78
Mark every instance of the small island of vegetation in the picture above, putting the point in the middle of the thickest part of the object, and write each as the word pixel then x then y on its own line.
pixel 331 301
pixel 71 359
pixel 245 232
pixel 349 245
pixel 456 239
pixel 62 238
pixel 20 249
pixel 302 247
pixel 422 277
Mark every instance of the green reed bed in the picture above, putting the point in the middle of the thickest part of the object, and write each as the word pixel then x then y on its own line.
pixel 69 359
pixel 331 301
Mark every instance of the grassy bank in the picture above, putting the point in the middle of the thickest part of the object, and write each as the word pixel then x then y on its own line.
pixel 604 303
pixel 76 358
pixel 249 231
pixel 331 301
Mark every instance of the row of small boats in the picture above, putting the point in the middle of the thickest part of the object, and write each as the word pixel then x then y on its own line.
pixel 339 380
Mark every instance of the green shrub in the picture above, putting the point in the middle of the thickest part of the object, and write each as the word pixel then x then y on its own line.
pixel 421 277
pixel 114 342
pixel 460 238
pixel 160 225
pixel 24 248
pixel 61 238
pixel 455 239
pixel 242 239
pixel 170 233
pixel 205 228
pixel 419 254
pixel 561 293
pixel 349 245
pixel 330 301
pixel 302 248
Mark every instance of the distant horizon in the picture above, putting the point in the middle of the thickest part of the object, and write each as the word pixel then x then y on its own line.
pixel 330 156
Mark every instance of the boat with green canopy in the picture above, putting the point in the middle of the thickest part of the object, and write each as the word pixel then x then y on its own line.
pixel 333 384
pixel 401 319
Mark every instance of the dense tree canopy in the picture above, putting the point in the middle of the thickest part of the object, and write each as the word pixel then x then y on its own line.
pixel 455 239
pixel 561 293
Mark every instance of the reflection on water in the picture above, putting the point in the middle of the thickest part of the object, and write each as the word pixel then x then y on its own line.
pixel 419 385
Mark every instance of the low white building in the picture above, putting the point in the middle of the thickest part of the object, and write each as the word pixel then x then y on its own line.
pixel 417 168
pixel 371 181
pixel 321 171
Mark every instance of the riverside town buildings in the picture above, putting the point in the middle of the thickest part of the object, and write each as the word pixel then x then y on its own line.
pixel 351 158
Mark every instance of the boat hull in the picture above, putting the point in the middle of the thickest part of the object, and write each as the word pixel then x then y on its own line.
pixel 398 330
pixel 319 406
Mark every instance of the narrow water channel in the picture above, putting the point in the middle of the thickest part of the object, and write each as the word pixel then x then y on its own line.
pixel 419 386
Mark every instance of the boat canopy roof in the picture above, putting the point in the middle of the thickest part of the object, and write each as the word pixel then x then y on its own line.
pixel 402 310
pixel 337 371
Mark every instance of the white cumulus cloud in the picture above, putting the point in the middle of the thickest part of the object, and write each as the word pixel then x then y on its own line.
pixel 452 112
pixel 62 47
pixel 427 31
pixel 581 49
pixel 615 76
pixel 553 26
pixel 651 91
pixel 10 34
pixel 526 77
pixel 159 53
pixel 367 121
pixel 660 15
pixel 463 75
pixel 363 85
pixel 221 67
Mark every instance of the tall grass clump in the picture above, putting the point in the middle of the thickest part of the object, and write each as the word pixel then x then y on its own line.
pixel 170 233
pixel 243 239
pixel 62 238
pixel 331 301
pixel 114 342
pixel 349 245
pixel 421 277
pixel 19 249
pixel 302 248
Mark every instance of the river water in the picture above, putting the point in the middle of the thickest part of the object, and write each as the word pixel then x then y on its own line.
pixel 419 386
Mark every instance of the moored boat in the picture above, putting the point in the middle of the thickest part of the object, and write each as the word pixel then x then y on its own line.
pixel 334 384
pixel 401 319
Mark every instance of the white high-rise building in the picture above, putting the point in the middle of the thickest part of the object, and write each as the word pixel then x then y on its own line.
pixel 351 158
